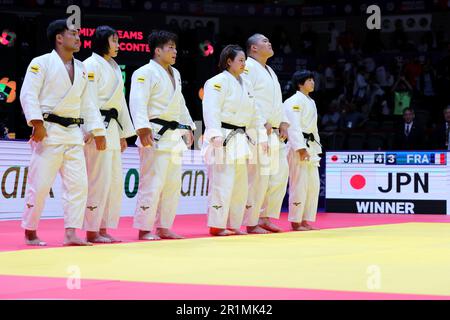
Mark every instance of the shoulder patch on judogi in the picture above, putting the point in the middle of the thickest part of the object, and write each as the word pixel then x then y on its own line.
pixel 296 108
pixel 91 76
pixel 141 79
pixel 217 87
pixel 35 69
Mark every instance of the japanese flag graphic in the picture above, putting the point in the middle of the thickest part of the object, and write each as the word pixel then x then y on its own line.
pixel 360 183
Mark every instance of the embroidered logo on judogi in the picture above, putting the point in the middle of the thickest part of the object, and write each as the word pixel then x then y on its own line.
pixel 92 208
pixel 141 79
pixel 248 207
pixel 296 108
pixel 35 69
pixel 144 208
pixel 91 76
pixel 84 75
pixel 217 87
pixel 297 204
pixel 29 206
pixel 217 207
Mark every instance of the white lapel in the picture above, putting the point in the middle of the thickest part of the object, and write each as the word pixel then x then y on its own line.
pixel 61 69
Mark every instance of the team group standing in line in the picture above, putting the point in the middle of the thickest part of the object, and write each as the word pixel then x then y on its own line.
pixel 253 142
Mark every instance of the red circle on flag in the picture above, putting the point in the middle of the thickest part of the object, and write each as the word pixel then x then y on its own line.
pixel 358 182
pixel 334 158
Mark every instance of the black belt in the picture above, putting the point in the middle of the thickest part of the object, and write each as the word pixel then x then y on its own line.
pixel 310 137
pixel 235 130
pixel 65 122
pixel 168 125
pixel 109 115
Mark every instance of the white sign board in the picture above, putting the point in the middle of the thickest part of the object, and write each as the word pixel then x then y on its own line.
pixel 15 158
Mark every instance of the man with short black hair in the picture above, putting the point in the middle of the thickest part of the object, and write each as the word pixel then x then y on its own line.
pixel 410 134
pixel 161 118
pixel 441 135
pixel 54 102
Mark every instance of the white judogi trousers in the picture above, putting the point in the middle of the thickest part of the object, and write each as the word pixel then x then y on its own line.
pixel 268 179
pixel 304 188
pixel 227 194
pixel 46 161
pixel 105 188
pixel 159 189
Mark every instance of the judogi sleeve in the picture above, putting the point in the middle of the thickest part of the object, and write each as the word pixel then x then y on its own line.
pixel 125 121
pixel 31 88
pixel 141 87
pixel 213 100
pixel 258 119
pixel 293 110
pixel 185 115
pixel 90 111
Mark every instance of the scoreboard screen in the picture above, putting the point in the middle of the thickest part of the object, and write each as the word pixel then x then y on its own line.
pixel 388 182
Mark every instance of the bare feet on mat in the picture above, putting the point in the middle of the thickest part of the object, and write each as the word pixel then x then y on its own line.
pixel 167 234
pixel 95 237
pixel 304 226
pixel 308 226
pixel 105 234
pixel 220 232
pixel 148 236
pixel 298 227
pixel 268 225
pixel 75 242
pixel 238 232
pixel 31 239
pixel 71 239
pixel 257 230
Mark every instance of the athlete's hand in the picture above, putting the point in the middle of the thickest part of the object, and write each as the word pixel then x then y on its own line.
pixel 100 142
pixel 39 132
pixel 145 135
pixel 304 155
pixel 123 144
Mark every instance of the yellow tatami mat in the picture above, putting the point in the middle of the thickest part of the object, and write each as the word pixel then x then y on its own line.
pixel 400 258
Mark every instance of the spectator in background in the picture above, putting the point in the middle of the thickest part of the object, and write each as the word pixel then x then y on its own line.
pixel 441 133
pixel 402 91
pixel 333 37
pixel 384 78
pixel 409 134
pixel 351 118
pixel 330 121
pixel 374 91
pixel 346 42
pixel 308 40
pixel 413 69
pixel 426 87
pixel 360 86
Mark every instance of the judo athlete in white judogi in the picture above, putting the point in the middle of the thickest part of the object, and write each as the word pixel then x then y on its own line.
pixel 228 110
pixel 161 118
pixel 55 104
pixel 304 153
pixel 106 91
pixel 268 176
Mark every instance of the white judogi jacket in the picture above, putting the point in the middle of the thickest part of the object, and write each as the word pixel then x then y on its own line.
pixel 302 112
pixel 105 89
pixel 47 89
pixel 268 96
pixel 226 100
pixel 153 96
